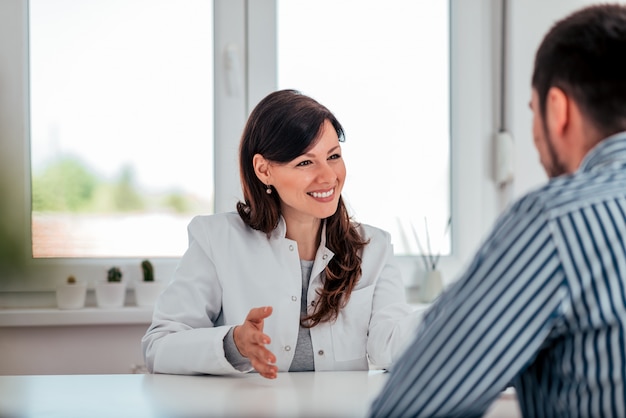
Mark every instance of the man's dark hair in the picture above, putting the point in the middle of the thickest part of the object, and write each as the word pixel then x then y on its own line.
pixel 584 55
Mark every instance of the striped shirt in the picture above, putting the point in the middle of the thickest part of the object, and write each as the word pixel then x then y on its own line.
pixel 541 307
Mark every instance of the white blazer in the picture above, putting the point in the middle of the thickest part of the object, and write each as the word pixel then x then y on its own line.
pixel 230 268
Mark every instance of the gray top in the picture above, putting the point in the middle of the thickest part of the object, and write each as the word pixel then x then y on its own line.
pixel 303 355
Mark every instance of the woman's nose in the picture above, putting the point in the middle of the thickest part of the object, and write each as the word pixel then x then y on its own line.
pixel 326 174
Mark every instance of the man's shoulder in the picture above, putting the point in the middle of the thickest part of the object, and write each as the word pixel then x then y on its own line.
pixel 571 192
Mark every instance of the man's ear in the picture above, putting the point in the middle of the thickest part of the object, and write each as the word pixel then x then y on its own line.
pixel 557 113
pixel 261 168
pixel 570 134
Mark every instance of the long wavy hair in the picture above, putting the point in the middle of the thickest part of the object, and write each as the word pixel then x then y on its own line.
pixel 283 126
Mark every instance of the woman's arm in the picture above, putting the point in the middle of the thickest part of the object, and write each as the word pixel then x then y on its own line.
pixel 393 321
pixel 183 337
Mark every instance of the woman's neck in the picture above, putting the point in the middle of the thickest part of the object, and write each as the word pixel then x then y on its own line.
pixel 307 235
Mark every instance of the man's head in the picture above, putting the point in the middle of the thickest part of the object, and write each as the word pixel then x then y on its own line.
pixel 579 85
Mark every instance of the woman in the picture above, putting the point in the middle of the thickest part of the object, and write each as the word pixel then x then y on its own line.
pixel 289 282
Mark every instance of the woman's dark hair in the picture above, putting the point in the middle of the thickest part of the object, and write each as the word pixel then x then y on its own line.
pixel 584 55
pixel 283 126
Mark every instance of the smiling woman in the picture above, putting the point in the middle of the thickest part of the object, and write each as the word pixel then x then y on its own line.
pixel 290 282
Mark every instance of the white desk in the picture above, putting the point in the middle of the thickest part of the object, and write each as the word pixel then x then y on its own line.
pixel 313 394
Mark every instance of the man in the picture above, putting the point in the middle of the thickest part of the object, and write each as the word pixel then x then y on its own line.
pixel 542 306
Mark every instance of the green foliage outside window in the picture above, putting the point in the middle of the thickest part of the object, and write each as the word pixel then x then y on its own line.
pixel 68 185
pixel 65 186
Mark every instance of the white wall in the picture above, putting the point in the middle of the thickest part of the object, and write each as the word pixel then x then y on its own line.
pixel 99 349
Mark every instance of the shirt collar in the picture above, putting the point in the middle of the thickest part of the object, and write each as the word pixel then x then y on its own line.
pixel 609 151
pixel 281 231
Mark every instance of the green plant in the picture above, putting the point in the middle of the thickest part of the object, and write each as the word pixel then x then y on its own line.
pixel 67 185
pixel 114 274
pixel 148 271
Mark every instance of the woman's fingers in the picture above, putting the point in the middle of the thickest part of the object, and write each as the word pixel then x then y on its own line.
pixel 250 341
pixel 264 367
pixel 250 333
pixel 257 315
pixel 262 359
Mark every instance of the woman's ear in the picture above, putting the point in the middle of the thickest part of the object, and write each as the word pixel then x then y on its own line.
pixel 261 168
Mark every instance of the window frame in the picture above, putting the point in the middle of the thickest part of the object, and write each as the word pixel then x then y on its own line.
pixel 474 196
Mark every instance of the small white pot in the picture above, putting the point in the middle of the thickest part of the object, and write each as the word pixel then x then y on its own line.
pixel 146 293
pixel 71 296
pixel 431 286
pixel 110 294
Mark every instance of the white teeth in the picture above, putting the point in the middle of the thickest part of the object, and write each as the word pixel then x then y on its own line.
pixel 322 195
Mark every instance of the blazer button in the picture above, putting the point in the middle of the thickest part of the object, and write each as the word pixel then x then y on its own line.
pixel 321 352
pixel 287 348
pixel 325 256
pixel 294 298
pixel 290 247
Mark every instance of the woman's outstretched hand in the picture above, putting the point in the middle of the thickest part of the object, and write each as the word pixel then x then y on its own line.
pixel 250 341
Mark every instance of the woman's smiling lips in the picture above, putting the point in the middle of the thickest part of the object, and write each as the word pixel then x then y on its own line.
pixel 322 195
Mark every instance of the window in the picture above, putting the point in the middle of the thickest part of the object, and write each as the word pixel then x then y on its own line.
pixel 246 64
pixel 159 77
pixel 121 126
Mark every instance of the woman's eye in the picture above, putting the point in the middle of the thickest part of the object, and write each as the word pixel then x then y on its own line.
pixel 334 156
pixel 303 163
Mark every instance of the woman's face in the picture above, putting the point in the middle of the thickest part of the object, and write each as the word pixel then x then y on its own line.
pixel 310 185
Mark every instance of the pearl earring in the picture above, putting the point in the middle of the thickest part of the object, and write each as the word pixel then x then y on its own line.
pixel 269 189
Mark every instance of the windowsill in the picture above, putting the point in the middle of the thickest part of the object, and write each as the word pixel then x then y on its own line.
pixel 22 317
pixel 128 315
pixel 33 308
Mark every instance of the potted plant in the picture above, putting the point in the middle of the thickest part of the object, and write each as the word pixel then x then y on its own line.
pixel 71 294
pixel 147 290
pixel 432 283
pixel 111 293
